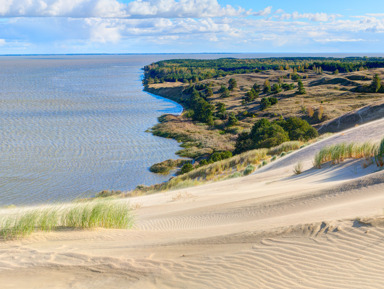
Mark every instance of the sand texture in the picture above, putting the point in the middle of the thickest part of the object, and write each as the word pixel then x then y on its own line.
pixel 323 228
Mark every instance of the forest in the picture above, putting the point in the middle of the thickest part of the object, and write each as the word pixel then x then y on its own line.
pixel 192 70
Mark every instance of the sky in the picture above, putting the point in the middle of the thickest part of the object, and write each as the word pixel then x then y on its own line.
pixel 191 26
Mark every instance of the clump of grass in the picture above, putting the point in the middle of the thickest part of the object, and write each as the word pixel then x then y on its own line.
pixel 298 169
pixel 102 214
pixel 285 147
pixel 234 175
pixel 339 152
pixel 248 170
pixel 379 158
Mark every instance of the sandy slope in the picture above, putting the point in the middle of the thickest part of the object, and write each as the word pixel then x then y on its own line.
pixel 268 230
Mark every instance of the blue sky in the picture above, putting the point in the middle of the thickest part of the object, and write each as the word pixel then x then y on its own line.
pixel 172 26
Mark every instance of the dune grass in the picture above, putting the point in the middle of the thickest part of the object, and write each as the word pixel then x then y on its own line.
pixel 95 214
pixel 298 169
pixel 339 152
pixel 379 158
pixel 285 147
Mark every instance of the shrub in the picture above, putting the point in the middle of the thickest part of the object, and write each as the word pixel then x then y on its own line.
pixel 248 170
pixel 234 175
pixel 232 84
pixel 186 168
pixel 232 119
pixel 219 156
pixel 264 134
pixel 298 129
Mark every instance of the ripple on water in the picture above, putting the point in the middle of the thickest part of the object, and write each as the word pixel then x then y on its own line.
pixel 72 126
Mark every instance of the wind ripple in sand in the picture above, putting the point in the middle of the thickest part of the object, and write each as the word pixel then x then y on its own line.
pixel 311 256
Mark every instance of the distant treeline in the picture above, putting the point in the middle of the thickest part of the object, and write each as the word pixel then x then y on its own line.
pixel 192 70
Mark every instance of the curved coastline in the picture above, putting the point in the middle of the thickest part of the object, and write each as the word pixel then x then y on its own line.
pixel 170 93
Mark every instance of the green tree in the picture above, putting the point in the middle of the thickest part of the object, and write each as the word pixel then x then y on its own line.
pixel 186 168
pixel 376 83
pixel 300 88
pixel 264 134
pixel 298 129
pixel 232 84
pixel 232 119
pixel 265 103
pixel 222 89
pixel 276 88
pixel 209 91
pixel 267 87
pixel 221 110
pixel 257 88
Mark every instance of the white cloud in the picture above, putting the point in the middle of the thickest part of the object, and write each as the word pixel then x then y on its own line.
pixel 58 8
pixel 177 23
pixel 263 12
pixel 326 40
pixel 104 31
pixel 180 9
pixel 315 17
pixel 116 9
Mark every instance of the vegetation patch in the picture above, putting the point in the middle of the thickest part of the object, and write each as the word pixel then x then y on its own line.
pixel 166 166
pixel 89 215
pixel 340 152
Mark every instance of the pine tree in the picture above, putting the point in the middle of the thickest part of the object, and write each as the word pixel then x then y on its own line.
pixel 301 89
pixel 376 83
pixel 267 87
pixel 232 84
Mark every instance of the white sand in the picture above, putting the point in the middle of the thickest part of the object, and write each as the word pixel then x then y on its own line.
pixel 268 230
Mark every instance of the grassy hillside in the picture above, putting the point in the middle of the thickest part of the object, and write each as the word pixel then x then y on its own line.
pixel 232 99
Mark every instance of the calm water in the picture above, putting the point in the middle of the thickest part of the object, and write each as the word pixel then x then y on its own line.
pixel 75 125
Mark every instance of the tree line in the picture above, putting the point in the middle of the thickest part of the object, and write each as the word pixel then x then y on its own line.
pixel 192 70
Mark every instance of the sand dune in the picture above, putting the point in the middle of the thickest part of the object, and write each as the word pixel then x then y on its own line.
pixel 321 229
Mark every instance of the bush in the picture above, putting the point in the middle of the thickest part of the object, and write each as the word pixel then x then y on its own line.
pixel 232 119
pixel 232 84
pixel 186 168
pixel 248 170
pixel 264 134
pixel 298 129
pixel 267 102
pixel 219 156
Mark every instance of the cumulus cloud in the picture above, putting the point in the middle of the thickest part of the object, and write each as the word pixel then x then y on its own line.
pixel 263 12
pixel 61 8
pixel 180 9
pixel 116 9
pixel 192 23
pixel 104 31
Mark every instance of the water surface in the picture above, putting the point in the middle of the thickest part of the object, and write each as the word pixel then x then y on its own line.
pixel 71 126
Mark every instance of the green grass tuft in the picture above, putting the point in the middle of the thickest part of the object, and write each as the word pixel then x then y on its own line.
pixel 96 214
pixel 339 152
